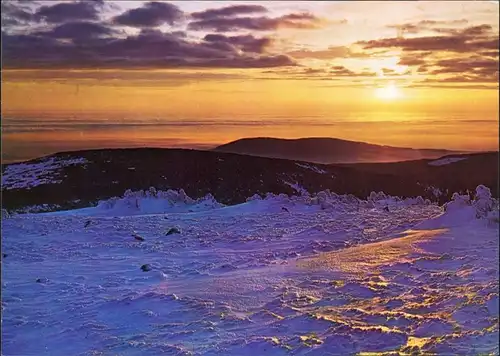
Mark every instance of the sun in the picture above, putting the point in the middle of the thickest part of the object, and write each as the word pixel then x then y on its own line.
pixel 388 92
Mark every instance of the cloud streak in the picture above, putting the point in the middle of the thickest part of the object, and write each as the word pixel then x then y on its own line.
pixel 470 39
pixel 225 24
pixel 228 11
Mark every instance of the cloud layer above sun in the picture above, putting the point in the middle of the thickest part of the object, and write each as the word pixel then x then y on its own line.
pixel 354 43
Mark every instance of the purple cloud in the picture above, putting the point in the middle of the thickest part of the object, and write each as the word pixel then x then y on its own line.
pixel 148 49
pixel 151 14
pixel 69 11
pixel 247 43
pixel 78 30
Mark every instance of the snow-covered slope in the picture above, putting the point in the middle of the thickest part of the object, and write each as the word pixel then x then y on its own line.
pixel 32 174
pixel 446 160
pixel 310 275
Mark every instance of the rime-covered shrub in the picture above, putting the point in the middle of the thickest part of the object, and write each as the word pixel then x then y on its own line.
pixel 270 195
pixel 377 196
pixel 457 202
pixel 254 197
pixel 420 200
pixel 152 191
pixel 283 196
pixel 5 214
pixel 483 202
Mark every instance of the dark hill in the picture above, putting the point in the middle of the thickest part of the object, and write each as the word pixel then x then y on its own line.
pixel 326 150
pixel 231 178
pixel 469 170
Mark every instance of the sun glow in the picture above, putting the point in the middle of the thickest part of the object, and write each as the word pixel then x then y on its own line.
pixel 388 92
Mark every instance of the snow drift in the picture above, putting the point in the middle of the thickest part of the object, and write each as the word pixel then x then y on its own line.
pixel 154 201
pixel 151 201
pixel 462 210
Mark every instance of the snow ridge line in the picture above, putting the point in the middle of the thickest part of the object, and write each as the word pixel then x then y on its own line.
pixel 150 201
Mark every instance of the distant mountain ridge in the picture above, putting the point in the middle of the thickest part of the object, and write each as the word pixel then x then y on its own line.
pixel 326 150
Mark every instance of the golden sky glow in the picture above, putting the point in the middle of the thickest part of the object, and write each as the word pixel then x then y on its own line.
pixel 327 67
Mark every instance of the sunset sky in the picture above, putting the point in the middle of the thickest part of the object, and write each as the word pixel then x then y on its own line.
pixel 88 74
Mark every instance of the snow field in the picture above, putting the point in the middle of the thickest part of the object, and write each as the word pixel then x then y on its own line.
pixel 327 275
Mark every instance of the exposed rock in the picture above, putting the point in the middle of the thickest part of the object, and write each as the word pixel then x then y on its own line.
pixel 173 230
pixel 138 237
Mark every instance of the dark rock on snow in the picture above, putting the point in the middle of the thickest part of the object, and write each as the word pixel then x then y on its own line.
pixel 173 230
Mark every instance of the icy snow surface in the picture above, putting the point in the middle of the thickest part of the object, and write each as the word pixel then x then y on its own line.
pixel 445 161
pixel 321 275
pixel 28 175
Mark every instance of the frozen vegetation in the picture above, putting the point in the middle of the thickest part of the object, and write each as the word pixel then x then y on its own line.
pixel 158 273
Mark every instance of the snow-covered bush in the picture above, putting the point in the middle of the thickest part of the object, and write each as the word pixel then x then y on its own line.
pixel 420 200
pixel 184 197
pixel 152 192
pixel 5 214
pixel 377 196
pixel 153 200
pixel 493 216
pixel 128 193
pixel 322 196
pixel 462 210
pixel 283 196
pixel 483 202
pixel 107 204
pixel 270 195
pixel 457 202
pixel 254 197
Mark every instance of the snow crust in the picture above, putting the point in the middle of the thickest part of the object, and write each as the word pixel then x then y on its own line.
pixel 319 274
pixel 445 161
pixel 29 175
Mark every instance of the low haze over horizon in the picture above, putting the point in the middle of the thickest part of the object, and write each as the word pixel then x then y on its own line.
pixel 97 74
